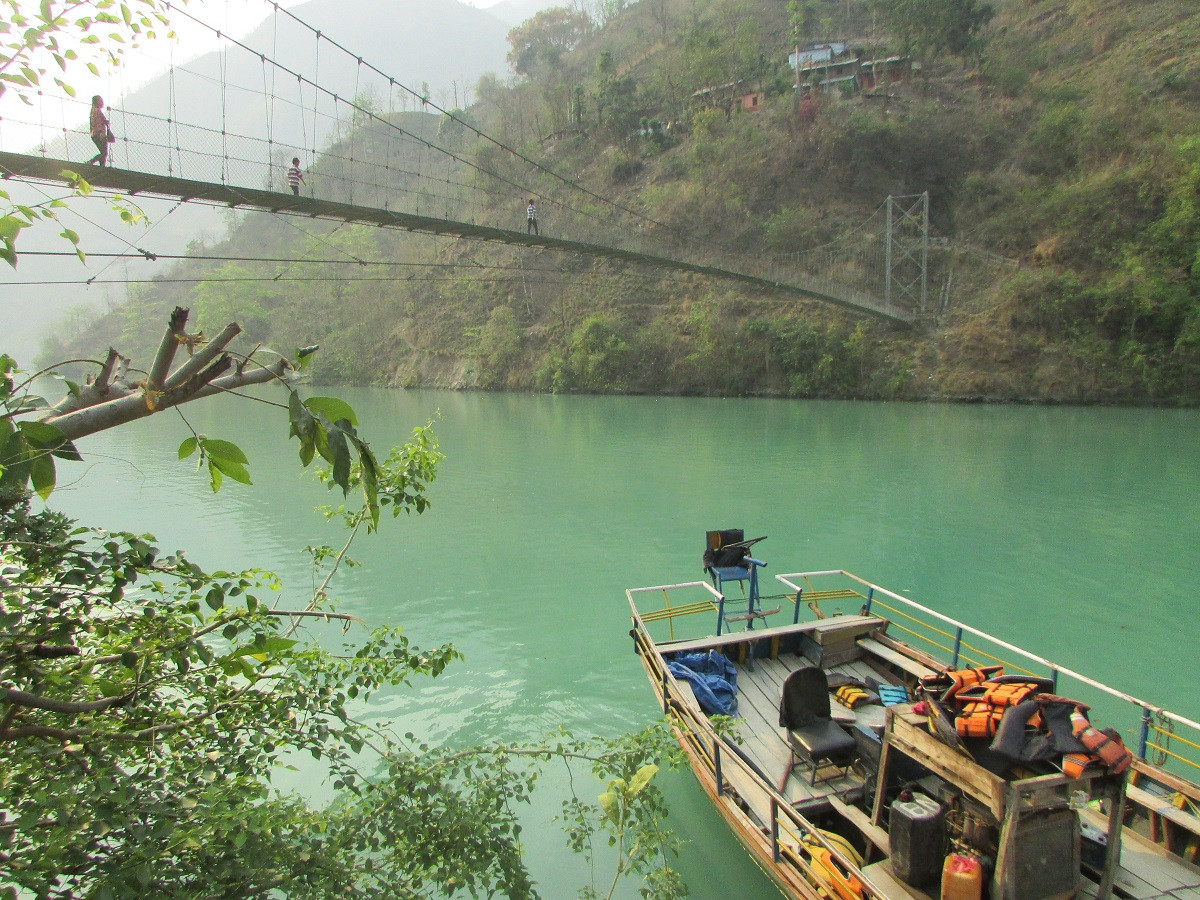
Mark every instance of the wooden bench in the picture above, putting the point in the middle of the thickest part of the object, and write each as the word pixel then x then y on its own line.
pixel 1160 808
pixel 894 657
pixel 739 637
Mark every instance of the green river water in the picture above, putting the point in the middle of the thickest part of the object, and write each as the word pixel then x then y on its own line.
pixel 1073 532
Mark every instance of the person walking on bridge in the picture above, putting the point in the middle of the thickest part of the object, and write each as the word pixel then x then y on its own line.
pixel 102 135
pixel 531 218
pixel 294 176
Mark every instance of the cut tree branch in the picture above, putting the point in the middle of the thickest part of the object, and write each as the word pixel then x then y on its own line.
pixel 67 707
pixel 166 349
pixel 204 356
pixel 111 401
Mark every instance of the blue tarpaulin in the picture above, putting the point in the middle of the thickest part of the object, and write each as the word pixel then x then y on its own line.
pixel 712 677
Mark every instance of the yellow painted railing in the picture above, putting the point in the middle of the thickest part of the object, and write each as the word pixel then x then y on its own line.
pixel 1152 729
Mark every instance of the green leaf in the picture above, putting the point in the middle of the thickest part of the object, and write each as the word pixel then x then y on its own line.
pixel 215 598
pixel 228 467
pixel 610 803
pixel 44 437
pixel 303 426
pixel 41 435
pixel 339 456
pixel 41 474
pixel 223 450
pixel 10 226
pixel 304 356
pixel 129 659
pixel 66 450
pixel 369 475
pixel 214 476
pixel 642 778
pixel 332 408
pixel 188 447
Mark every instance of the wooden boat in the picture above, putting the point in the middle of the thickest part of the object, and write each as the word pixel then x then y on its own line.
pixel 903 806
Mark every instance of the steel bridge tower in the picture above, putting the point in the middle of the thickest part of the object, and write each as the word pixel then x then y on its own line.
pixel 907 252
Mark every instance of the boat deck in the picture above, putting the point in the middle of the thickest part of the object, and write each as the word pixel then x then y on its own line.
pixel 1145 872
pixel 797 830
pixel 763 740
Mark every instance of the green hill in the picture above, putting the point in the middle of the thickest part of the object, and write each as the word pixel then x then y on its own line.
pixel 1057 140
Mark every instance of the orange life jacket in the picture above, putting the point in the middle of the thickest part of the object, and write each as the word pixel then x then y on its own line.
pixel 1105 745
pixel 1073 764
pixel 986 704
pixel 979 720
pixel 946 685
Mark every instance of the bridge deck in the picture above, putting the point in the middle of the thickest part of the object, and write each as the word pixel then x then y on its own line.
pixel 133 183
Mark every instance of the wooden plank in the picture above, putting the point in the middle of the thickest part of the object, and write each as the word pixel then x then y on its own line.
pixel 887 654
pixel 888 885
pixel 1147 870
pixel 862 822
pixel 1116 815
pixel 763 740
pixel 914 741
pixel 1161 806
pixel 689 694
pixel 1156 871
pixel 738 637
pixel 1167 779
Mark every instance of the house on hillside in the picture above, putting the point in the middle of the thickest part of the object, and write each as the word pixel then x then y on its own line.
pixel 816 54
pixel 753 100
pixel 736 94
pixel 826 67
pixel 835 67
pixel 873 73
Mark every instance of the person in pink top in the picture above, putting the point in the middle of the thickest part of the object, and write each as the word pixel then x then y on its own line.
pixel 102 135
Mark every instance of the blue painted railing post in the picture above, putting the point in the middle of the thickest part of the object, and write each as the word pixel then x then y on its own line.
pixel 796 617
pixel 957 646
pixel 1145 738
pixel 867 605
pixel 717 766
pixel 1054 678
pixel 720 614
pixel 775 856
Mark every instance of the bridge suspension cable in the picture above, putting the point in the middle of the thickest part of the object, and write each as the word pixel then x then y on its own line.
pixel 848 272
pixel 522 189
pixel 478 133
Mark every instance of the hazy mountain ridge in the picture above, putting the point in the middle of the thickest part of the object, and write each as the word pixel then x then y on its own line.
pixel 1059 159
pixel 443 43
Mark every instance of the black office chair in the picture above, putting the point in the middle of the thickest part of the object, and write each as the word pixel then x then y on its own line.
pixel 812 734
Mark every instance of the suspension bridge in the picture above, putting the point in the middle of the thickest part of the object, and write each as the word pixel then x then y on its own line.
pixel 384 167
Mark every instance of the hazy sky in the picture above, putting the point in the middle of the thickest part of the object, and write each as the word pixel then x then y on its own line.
pixel 233 17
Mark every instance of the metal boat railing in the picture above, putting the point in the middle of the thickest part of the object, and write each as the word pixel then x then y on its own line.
pixel 1173 738
pixel 792 838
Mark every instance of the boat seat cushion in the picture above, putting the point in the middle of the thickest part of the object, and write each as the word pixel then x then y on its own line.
pixel 822 740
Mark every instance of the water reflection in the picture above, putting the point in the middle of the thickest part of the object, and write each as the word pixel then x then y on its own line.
pixel 1038 523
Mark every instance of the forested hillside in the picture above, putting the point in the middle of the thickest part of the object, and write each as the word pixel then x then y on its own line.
pixel 1057 140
